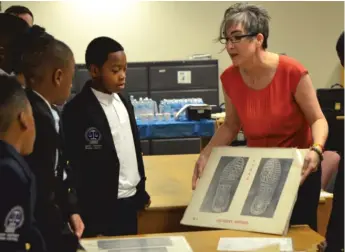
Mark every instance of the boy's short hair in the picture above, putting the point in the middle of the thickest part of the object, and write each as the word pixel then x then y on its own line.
pixel 18 10
pixel 12 29
pixel 11 25
pixel 98 50
pixel 340 48
pixel 38 49
pixel 13 100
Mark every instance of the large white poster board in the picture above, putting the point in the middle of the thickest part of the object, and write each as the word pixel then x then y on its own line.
pixel 249 189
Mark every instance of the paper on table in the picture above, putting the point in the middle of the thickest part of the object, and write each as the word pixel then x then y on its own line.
pixel 271 248
pixel 325 194
pixel 140 244
pixel 249 244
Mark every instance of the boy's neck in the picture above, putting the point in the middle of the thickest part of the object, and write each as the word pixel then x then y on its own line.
pixel 99 87
pixel 43 93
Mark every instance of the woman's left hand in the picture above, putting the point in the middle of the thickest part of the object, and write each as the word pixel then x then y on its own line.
pixel 311 164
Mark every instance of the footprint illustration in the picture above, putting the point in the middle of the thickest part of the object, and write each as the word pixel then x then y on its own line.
pixel 269 179
pixel 228 178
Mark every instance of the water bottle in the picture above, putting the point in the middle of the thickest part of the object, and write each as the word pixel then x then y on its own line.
pixel 185 102
pixel 140 108
pixel 135 107
pixel 150 109
pixel 182 102
pixel 145 111
pixel 160 112
pixel 175 106
pixel 167 106
pixel 161 107
pixel 167 111
pixel 154 107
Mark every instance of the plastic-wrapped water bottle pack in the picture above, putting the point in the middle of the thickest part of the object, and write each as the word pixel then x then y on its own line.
pixel 146 109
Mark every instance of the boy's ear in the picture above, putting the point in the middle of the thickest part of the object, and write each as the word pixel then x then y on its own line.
pixel 57 77
pixel 94 71
pixel 23 121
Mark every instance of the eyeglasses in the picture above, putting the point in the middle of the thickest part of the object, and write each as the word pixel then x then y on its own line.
pixel 236 38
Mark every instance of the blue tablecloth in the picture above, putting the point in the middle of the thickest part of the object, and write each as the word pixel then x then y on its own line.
pixel 175 129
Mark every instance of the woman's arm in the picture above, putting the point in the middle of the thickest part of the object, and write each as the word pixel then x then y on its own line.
pixel 223 136
pixel 228 130
pixel 307 100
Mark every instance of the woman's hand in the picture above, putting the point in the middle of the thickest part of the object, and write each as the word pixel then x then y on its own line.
pixel 199 168
pixel 311 164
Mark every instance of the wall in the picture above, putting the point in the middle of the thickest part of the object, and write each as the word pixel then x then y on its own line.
pixel 153 31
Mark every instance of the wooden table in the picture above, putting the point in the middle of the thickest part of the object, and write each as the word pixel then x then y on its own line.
pixel 207 241
pixel 169 180
pixel 169 183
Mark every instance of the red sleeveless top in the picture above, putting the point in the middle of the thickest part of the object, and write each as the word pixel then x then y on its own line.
pixel 270 117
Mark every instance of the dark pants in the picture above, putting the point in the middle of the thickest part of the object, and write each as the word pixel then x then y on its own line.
pixel 125 221
pixel 335 229
pixel 58 240
pixel 120 221
pixel 55 231
pixel 305 210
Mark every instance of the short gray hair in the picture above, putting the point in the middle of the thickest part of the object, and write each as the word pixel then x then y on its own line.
pixel 254 19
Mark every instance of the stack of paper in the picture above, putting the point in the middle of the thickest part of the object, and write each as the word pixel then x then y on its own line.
pixel 249 189
pixel 271 248
pixel 325 194
pixel 145 244
pixel 253 244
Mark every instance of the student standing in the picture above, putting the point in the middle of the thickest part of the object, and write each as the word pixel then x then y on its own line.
pixel 11 28
pixel 335 229
pixel 103 145
pixel 18 231
pixel 21 12
pixel 48 67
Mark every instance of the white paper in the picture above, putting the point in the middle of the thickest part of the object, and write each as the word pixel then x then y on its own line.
pixel 138 244
pixel 184 77
pixel 324 194
pixel 248 244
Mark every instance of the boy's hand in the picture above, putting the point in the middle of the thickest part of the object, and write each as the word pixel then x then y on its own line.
pixel 148 204
pixel 77 225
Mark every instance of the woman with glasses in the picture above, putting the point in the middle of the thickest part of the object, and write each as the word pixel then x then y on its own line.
pixel 270 97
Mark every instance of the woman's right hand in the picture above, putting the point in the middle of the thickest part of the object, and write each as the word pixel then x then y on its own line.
pixel 223 136
pixel 198 169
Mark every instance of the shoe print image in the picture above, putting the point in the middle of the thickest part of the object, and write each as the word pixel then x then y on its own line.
pixel 269 176
pixel 224 184
pixel 267 186
pixel 230 175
